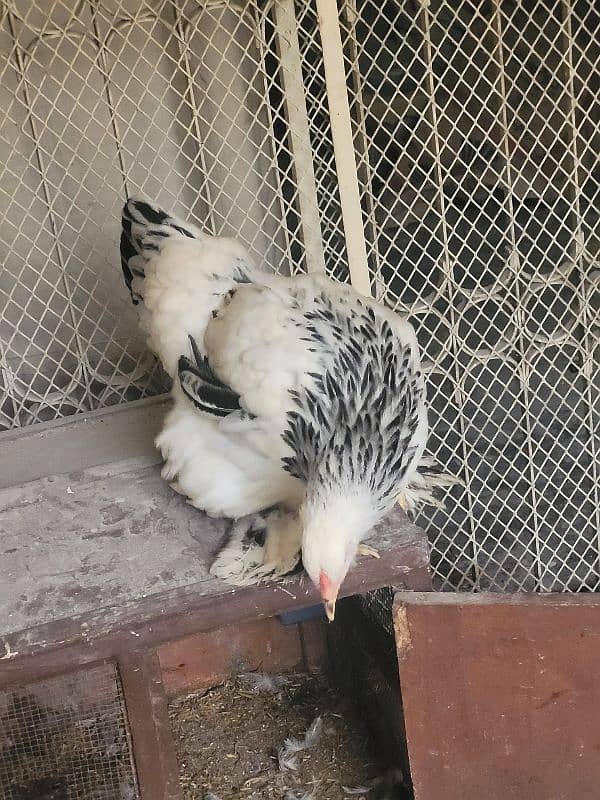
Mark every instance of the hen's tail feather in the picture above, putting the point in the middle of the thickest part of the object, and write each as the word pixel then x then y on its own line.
pixel 142 227
pixel 423 485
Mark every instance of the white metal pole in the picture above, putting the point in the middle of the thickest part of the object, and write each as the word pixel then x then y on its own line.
pixel 343 144
pixel 295 101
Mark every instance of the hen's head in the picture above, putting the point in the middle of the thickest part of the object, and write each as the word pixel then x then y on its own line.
pixel 333 525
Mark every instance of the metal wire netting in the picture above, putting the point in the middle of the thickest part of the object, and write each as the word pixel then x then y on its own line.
pixel 475 132
pixel 477 136
pixel 201 106
pixel 66 738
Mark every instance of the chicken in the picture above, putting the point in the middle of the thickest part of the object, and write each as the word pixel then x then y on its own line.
pixel 299 405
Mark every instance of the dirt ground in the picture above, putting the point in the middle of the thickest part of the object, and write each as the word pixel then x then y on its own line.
pixel 229 742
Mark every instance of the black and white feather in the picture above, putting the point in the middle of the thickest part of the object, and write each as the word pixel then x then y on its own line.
pixel 358 420
pixel 200 385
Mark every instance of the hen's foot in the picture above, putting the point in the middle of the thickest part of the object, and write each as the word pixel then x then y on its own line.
pixel 261 548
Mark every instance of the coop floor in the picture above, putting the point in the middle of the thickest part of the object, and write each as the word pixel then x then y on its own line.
pixel 228 738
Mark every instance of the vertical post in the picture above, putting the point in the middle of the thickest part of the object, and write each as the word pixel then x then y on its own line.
pixel 343 144
pixel 361 148
pixel 297 114
pixel 148 721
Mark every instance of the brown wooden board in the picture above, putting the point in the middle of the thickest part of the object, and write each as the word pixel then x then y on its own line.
pixel 208 659
pixel 117 536
pixel 149 727
pixel 501 695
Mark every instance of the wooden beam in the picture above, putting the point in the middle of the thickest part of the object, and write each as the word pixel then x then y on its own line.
pixel 148 724
pixel 75 443
pixel 148 622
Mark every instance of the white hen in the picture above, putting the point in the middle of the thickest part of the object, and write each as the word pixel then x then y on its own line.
pixel 290 392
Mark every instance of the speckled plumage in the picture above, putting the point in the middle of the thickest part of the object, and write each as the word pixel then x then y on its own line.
pixel 356 422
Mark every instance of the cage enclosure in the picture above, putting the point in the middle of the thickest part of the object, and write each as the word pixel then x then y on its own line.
pixel 441 156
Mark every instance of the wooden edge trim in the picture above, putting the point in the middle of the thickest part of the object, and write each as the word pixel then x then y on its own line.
pixel 419 598
pixel 75 443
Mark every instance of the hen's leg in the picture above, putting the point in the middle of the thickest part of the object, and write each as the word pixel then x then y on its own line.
pixel 261 547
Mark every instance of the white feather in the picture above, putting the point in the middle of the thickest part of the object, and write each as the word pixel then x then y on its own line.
pixel 261 682
pixel 286 760
pixel 179 292
pixel 310 738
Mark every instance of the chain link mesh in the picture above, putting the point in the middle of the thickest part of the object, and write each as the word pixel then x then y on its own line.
pixel 186 103
pixel 477 136
pixel 476 133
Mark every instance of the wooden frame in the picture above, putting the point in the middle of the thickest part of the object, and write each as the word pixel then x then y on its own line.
pixel 81 441
pixel 130 635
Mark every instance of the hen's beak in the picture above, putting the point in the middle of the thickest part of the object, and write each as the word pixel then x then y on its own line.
pixel 330 609
pixel 329 592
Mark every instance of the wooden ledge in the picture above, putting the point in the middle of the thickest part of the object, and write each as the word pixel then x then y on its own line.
pixel 111 554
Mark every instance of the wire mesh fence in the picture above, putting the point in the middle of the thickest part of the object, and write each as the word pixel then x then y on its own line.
pixel 480 125
pixel 66 738
pixel 199 106
pixel 475 136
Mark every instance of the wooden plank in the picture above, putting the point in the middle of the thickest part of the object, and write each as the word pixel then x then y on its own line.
pixel 148 725
pixel 114 545
pixel 500 694
pixel 141 622
pixel 161 618
pixel 208 659
pixel 82 441
pixel 74 543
